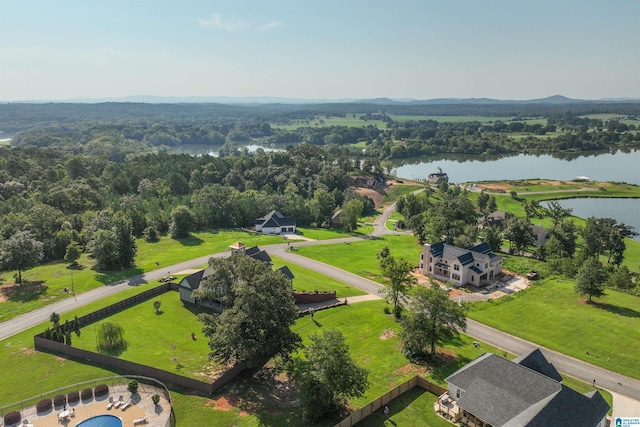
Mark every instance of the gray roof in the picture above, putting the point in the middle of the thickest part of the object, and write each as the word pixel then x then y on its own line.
pixel 276 219
pixel 287 273
pixel 480 253
pixel 262 256
pixel 193 280
pixel 252 250
pixel 503 393
pixel 536 361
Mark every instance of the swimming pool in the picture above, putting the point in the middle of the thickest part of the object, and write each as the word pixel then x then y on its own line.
pixel 101 421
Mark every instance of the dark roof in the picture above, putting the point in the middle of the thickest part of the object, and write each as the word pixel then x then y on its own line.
pixel 287 273
pixel 536 361
pixel 466 258
pixel 442 266
pixel 276 219
pixel 193 280
pixel 482 248
pixel 262 256
pixel 507 394
pixel 252 250
pixel 437 249
pixel 476 269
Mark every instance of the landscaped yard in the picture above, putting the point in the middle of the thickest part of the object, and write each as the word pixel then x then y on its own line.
pixel 160 340
pixel 551 314
pixel 306 280
pixel 360 257
pixel 44 285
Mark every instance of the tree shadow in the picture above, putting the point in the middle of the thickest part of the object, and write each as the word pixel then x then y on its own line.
pixel 190 241
pixel 115 277
pixel 27 291
pixel 615 309
pixel 77 267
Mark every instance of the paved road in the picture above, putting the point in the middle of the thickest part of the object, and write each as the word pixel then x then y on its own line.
pixel 568 365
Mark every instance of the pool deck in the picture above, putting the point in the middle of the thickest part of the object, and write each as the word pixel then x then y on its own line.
pixel 157 416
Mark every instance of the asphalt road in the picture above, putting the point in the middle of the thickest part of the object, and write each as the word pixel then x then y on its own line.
pixel 576 368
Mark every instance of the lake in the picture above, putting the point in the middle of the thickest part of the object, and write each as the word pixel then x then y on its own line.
pixel 621 166
pixel 626 211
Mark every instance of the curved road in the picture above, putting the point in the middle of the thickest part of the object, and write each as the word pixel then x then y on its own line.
pixel 576 368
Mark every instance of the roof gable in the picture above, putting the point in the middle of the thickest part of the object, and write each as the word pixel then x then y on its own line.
pixel 286 272
pixel 276 219
pixel 537 362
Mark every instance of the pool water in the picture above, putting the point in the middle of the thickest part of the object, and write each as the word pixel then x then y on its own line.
pixel 101 421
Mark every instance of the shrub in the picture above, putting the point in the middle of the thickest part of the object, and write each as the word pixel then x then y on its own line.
pixel 12 418
pixel 101 390
pixel 44 405
pixel 86 394
pixel 73 397
pixel 156 399
pixel 133 386
pixel 110 338
pixel 59 400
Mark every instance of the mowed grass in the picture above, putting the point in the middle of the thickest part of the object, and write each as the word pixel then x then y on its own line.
pixel 306 280
pixel 360 257
pixel 44 284
pixel 398 190
pixel 151 337
pixel 551 314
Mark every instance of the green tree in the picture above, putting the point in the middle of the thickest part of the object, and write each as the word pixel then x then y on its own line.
pixel 482 201
pixel 590 279
pixel 258 325
pixel 433 319
pixel 110 338
pixel 492 205
pixel 328 375
pixel 55 319
pixel 20 252
pixel 397 279
pixel 104 247
pixel 182 222
pixel 156 305
pixel 127 246
pixel 557 212
pixel 621 279
pixel 351 211
pixel 493 237
pixel 519 234
pixel 73 253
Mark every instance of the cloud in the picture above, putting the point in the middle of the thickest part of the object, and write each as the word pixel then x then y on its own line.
pixel 215 22
pixel 269 26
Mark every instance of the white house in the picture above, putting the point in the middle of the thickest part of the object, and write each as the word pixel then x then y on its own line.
pixel 275 223
pixel 475 266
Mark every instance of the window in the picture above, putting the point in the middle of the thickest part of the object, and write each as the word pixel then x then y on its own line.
pixel 472 278
pixel 456 267
pixel 430 259
pixel 458 393
pixel 455 276
pixel 430 268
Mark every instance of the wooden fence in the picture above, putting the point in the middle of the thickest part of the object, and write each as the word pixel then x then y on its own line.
pixel 361 413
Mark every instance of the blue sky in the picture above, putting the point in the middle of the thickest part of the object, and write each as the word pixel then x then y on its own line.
pixel 422 49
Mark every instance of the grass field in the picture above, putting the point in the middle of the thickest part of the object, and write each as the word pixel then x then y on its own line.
pixel 551 314
pixel 45 283
pixel 323 121
pixel 360 257
pixel 308 281
pixel 151 337
pixel 398 190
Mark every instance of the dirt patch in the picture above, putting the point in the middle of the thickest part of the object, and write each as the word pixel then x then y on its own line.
pixel 387 334
pixel 24 292
pixel 410 368
pixel 446 355
pixel 27 351
pixel 225 404
pixel 375 196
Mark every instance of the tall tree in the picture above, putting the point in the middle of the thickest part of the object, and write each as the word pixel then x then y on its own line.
pixel 104 248
pixel 590 279
pixel 433 319
pixel 328 376
pixel 557 212
pixel 20 252
pixel 351 211
pixel 182 222
pixel 258 325
pixel 493 237
pixel 397 279
pixel 127 247
pixel 519 234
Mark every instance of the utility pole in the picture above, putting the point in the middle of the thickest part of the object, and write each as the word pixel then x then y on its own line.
pixel 73 291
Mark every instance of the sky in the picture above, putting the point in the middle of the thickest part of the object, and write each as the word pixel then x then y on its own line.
pixel 328 49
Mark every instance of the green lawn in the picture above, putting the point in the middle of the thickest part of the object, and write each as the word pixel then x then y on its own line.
pixel 413 408
pixel 308 281
pixel 551 314
pixel 151 337
pixel 360 257
pixel 44 284
pixel 398 190
pixel 332 232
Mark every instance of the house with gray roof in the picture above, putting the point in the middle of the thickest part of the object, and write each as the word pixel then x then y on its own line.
pixel 275 223
pixel 475 266
pixel 524 392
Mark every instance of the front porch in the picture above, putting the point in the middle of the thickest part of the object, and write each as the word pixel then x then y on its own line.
pixel 449 410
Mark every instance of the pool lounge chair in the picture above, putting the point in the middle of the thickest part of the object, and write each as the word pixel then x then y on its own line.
pixel 119 402
pixel 126 405
pixel 110 404
pixel 142 420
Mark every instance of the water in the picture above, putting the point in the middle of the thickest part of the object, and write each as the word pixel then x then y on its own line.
pixel 626 211
pixel 621 166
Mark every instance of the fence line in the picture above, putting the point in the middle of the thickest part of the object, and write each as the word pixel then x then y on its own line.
pixel 363 412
